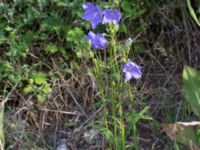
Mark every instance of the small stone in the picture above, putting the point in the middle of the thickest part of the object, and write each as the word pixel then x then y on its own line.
pixel 62 145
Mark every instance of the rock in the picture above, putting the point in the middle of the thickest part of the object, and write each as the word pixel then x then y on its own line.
pixel 62 145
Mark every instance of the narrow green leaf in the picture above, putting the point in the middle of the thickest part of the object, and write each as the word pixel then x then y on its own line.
pixel 2 141
pixel 191 85
pixel 192 13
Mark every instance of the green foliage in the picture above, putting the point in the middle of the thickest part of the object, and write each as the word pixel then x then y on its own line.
pixel 191 84
pixel 133 11
pixel 74 35
pixel 132 119
pixel 32 29
pixel 187 133
pixel 9 72
pixel 38 84
pixel 51 48
pixel 197 131
pixel 75 40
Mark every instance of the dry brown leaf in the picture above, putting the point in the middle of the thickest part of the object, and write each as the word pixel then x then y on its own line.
pixel 182 132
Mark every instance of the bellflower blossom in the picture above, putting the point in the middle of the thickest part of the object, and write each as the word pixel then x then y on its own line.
pixel 132 70
pixel 111 15
pixel 98 41
pixel 93 14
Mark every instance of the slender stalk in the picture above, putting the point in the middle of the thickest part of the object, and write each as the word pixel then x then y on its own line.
pixel 132 108
pixel 2 139
pixel 118 86
pixel 131 96
pixel 101 88
pixel 135 136
pixel 98 73
pixel 122 126
pixel 114 113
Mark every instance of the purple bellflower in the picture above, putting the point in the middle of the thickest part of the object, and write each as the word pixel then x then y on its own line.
pixel 132 70
pixel 98 41
pixel 93 14
pixel 111 15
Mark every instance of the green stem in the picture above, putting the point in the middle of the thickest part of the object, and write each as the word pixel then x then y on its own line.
pixel 131 96
pixel 135 136
pixel 98 73
pixel 119 85
pixel 132 108
pixel 2 140
pixel 114 113
pixel 122 126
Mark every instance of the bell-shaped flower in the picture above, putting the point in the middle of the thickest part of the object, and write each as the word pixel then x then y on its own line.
pixel 132 70
pixel 98 41
pixel 111 15
pixel 93 14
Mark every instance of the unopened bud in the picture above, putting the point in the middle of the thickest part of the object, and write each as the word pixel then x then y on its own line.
pixel 128 42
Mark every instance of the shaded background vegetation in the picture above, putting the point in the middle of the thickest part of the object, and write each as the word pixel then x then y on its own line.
pixel 43 69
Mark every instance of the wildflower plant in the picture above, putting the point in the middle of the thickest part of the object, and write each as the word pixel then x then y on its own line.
pixel 113 75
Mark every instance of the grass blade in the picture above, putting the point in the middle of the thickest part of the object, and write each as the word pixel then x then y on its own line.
pixel 192 13
pixel 2 140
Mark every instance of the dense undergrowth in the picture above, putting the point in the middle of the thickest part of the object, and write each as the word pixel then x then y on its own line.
pixel 50 93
